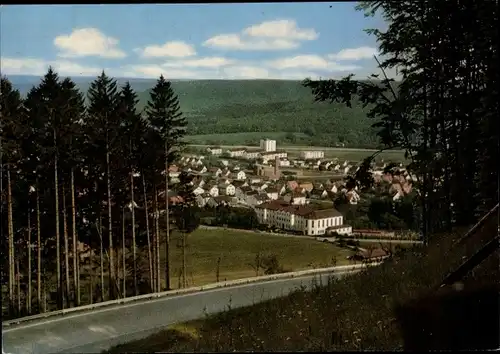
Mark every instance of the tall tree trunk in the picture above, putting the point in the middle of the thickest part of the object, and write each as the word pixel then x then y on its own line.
pixel 66 247
pixel 58 236
pixel 101 257
pixel 18 276
pixel 110 226
pixel 11 242
pixel 184 283
pixel 157 230
pixel 28 300
pixel 154 252
pixel 167 232
pixel 150 260
pixel 134 248
pixel 124 266
pixel 91 271
pixel 39 250
pixel 76 253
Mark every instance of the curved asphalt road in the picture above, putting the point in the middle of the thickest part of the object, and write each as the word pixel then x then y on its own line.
pixel 99 330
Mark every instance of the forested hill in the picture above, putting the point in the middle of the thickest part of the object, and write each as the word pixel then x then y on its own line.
pixel 236 106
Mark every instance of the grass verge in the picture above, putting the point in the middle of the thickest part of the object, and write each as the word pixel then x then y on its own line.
pixel 356 313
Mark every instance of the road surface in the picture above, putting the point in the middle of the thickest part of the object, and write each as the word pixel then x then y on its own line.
pixel 92 332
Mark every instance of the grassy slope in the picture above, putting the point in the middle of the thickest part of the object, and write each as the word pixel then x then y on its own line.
pixel 357 313
pixel 238 249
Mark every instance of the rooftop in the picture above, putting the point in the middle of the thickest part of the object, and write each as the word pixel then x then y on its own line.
pixel 306 211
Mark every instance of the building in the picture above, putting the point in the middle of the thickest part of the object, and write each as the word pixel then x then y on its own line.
pixel 284 163
pixel 238 152
pixel 252 154
pixel 268 145
pixel 215 150
pixel 306 155
pixel 272 155
pixel 273 172
pixel 302 218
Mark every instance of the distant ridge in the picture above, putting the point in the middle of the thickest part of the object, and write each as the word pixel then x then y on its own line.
pixel 25 82
pixel 222 107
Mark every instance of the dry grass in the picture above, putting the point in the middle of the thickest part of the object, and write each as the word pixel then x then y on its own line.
pixel 237 251
pixel 356 313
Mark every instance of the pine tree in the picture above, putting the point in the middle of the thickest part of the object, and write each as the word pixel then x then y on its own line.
pixel 35 170
pixel 165 117
pixel 445 54
pixel 11 115
pixel 133 128
pixel 103 117
pixel 45 111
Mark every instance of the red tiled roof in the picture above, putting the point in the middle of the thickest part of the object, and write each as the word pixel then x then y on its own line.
pixel 306 211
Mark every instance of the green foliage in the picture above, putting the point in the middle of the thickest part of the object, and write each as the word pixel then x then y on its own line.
pixel 89 146
pixel 284 108
pixel 166 119
pixel 440 110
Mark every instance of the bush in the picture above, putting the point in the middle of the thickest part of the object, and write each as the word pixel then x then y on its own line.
pixel 271 265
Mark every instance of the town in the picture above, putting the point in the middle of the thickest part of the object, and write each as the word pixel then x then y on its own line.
pixel 272 182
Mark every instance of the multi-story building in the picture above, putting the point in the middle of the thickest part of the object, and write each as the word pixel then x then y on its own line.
pixel 252 154
pixel 237 152
pixel 215 150
pixel 303 218
pixel 307 155
pixel 267 156
pixel 268 145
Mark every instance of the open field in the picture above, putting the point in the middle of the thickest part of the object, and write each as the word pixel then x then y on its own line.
pixel 238 249
pixel 361 312
pixel 246 138
pixel 350 154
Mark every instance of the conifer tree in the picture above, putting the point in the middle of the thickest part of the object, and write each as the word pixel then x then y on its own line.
pixel 166 119
pixel 103 118
pixel 11 107
pixel 133 128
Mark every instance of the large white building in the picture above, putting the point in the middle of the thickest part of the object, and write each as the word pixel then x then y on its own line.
pixel 302 218
pixel 237 152
pixel 268 145
pixel 306 155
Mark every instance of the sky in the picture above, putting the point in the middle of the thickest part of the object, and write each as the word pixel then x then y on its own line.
pixel 189 41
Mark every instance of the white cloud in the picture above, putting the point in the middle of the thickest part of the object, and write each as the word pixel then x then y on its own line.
pixel 281 29
pixel 88 42
pixel 271 35
pixel 354 54
pixel 31 66
pixel 311 62
pixel 246 72
pixel 177 49
pixel 234 41
pixel 206 62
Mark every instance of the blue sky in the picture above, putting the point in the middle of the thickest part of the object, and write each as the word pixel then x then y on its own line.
pixel 196 41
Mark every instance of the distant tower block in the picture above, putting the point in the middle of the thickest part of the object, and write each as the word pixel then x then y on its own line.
pixel 268 145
